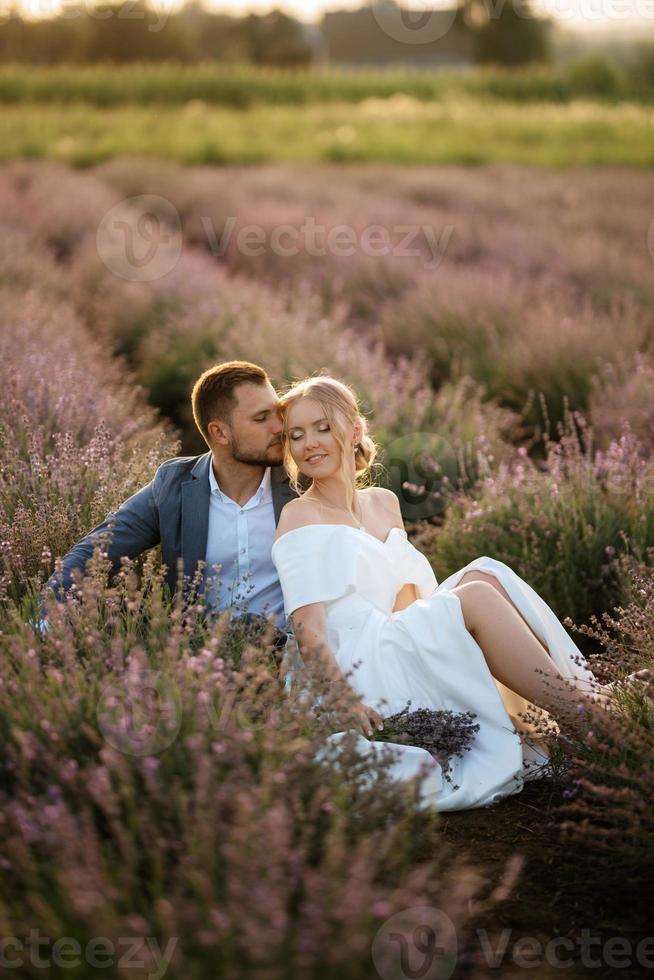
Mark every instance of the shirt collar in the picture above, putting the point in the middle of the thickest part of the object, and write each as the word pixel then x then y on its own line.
pixel 262 493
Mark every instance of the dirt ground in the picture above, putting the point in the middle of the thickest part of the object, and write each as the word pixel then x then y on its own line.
pixel 561 894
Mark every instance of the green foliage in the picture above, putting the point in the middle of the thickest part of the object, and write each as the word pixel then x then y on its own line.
pixel 595 76
pixel 470 132
pixel 515 36
pixel 111 32
pixel 240 85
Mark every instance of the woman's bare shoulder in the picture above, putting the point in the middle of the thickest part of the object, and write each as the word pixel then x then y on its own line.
pixel 386 500
pixel 296 513
pixel 380 493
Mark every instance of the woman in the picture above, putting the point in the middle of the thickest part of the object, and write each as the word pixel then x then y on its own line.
pixel 362 597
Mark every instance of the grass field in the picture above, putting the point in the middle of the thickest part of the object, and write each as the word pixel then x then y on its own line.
pixel 239 86
pixel 399 130
pixel 584 114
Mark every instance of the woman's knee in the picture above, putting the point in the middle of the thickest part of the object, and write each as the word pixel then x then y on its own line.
pixel 476 598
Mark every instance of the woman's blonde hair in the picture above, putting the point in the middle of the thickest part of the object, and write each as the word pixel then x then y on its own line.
pixel 341 407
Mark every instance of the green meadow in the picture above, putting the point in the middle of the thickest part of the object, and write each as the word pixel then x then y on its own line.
pixel 582 116
pixel 460 130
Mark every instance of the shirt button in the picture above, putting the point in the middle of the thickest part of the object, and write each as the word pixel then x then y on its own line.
pixel 242 551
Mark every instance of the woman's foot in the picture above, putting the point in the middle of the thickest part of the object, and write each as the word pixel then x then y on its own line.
pixel 574 728
pixel 640 680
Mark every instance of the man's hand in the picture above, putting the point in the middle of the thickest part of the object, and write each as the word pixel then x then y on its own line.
pixel 366 718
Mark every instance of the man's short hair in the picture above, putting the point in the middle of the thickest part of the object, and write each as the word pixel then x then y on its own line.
pixel 213 397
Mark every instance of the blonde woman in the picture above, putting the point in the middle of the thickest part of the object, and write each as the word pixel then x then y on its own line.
pixel 363 598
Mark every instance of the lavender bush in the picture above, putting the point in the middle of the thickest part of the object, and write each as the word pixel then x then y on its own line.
pixel 610 799
pixel 521 313
pixel 156 777
pixel 151 784
pixel 76 435
pixel 560 524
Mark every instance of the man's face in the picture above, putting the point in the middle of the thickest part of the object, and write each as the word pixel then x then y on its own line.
pixel 255 426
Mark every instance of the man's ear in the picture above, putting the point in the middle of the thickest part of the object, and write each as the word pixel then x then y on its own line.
pixel 218 433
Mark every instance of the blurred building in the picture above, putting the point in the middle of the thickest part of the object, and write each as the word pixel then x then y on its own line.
pixel 366 37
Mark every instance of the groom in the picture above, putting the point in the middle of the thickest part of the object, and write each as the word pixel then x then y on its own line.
pixel 221 507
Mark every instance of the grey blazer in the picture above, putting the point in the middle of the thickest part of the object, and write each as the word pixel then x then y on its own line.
pixel 173 511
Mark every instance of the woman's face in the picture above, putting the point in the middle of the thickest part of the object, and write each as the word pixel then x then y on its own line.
pixel 311 442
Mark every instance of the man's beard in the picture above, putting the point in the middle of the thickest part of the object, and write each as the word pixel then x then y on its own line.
pixel 256 458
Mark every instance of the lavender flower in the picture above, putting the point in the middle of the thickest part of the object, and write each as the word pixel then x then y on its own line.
pixel 442 733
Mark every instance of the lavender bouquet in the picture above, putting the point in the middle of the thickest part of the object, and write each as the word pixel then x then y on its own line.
pixel 442 733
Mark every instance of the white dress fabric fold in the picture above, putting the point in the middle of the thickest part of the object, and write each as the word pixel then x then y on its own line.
pixel 423 653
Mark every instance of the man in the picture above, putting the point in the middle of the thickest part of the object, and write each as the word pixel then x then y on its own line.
pixel 221 507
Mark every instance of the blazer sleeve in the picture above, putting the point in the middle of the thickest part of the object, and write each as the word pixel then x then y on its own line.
pixel 131 530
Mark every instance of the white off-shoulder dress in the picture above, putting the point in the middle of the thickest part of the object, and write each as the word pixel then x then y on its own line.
pixel 423 653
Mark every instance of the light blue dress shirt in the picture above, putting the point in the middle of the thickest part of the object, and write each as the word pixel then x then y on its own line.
pixel 240 541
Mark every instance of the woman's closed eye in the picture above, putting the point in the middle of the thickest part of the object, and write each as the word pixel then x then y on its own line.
pixel 297 435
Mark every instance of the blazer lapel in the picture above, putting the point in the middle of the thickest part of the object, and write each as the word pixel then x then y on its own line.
pixel 195 515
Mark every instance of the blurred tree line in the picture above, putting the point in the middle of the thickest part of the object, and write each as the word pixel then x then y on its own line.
pixel 82 33
pixel 135 31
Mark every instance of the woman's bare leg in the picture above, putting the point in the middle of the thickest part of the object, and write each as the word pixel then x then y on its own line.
pixel 495 582
pixel 516 658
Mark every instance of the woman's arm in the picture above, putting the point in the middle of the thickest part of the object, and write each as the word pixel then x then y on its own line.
pixel 310 628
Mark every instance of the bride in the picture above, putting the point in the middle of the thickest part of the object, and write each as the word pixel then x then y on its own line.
pixel 366 601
